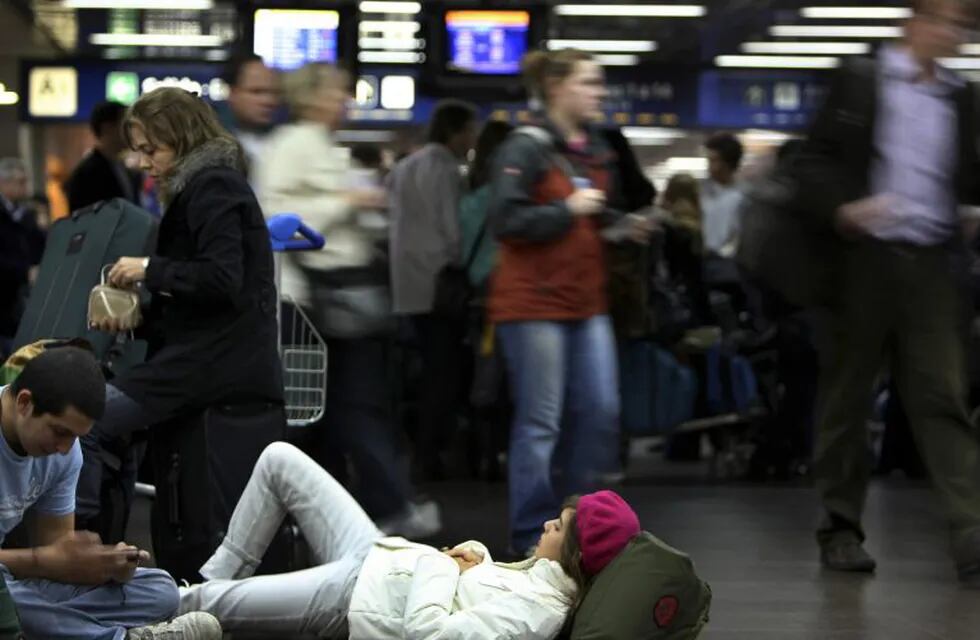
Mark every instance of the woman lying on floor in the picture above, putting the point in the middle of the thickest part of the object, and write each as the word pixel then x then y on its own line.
pixel 372 587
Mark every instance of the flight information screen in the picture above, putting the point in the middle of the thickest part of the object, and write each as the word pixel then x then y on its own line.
pixel 289 38
pixel 487 42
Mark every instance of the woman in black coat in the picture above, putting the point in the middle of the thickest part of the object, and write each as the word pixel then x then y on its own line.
pixel 211 326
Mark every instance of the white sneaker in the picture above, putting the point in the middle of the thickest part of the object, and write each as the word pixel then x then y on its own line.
pixel 417 521
pixel 190 626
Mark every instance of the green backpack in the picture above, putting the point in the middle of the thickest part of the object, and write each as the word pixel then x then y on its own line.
pixel 10 369
pixel 650 591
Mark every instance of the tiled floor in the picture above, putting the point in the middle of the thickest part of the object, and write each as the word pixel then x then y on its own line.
pixel 755 545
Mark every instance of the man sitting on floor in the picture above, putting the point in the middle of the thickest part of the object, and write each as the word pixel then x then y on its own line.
pixel 71 585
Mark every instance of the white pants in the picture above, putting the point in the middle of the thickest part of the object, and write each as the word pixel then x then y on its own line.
pixel 312 601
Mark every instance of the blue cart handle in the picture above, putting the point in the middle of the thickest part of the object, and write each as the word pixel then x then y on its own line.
pixel 284 229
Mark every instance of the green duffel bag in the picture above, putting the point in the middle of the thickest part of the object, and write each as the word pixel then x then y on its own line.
pixel 650 591
pixel 9 622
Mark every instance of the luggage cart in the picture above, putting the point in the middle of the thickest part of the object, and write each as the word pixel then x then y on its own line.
pixel 301 348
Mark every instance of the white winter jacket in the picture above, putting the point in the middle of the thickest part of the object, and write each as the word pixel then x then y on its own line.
pixel 414 592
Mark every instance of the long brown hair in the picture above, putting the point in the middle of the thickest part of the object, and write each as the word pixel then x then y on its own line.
pixel 178 119
pixel 570 555
pixel 542 69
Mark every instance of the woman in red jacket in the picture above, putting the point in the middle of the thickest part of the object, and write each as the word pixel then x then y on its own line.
pixel 548 296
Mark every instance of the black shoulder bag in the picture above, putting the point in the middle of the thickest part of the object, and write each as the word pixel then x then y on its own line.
pixel 453 288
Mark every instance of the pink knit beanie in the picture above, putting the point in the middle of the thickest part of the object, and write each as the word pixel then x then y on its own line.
pixel 606 524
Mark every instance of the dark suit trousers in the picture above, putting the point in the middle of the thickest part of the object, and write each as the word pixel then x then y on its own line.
pixel 900 305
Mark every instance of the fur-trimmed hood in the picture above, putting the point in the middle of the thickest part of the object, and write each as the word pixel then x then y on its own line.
pixel 216 153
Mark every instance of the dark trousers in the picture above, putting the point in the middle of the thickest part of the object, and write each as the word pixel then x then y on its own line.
pixel 900 305
pixel 443 359
pixel 359 425
pixel 110 462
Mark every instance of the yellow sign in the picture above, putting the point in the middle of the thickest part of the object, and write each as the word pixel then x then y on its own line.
pixel 53 92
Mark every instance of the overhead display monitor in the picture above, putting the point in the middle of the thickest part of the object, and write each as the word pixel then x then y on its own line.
pixel 486 42
pixel 289 38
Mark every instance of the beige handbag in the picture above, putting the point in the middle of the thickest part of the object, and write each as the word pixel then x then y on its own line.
pixel 106 301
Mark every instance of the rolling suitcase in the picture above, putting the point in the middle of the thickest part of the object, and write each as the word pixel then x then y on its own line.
pixel 77 248
pixel 201 464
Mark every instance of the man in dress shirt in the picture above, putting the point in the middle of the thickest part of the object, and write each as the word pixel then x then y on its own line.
pixel 889 159
pixel 424 237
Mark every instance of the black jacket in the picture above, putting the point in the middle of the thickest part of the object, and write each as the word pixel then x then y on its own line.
pixel 21 246
pixel 212 325
pixel 835 166
pixel 94 179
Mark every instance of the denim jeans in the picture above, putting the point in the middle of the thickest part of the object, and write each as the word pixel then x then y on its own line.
pixel 57 611
pixel 312 601
pixel 556 370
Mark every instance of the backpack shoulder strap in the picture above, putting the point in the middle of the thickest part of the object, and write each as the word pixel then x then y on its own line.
pixel 545 139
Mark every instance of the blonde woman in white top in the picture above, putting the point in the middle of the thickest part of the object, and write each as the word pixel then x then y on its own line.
pixel 344 286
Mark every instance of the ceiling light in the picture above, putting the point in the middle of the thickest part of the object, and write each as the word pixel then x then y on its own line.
pixel 651 136
pixel 633 10
pixel 778 62
pixel 972 49
pixel 387 26
pixel 404 44
pixel 617 59
pixel 820 48
pixel 397 92
pixel 960 63
pixel 139 4
pixel 765 136
pixel 833 31
pixel 390 7
pixel 393 57
pixel 364 135
pixel 680 163
pixel 154 40
pixel 857 13
pixel 633 46
pixel 7 98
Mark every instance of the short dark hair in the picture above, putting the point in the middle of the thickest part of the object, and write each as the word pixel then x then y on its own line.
pixel 368 155
pixel 63 377
pixel 728 147
pixel 491 137
pixel 450 118
pixel 106 113
pixel 232 71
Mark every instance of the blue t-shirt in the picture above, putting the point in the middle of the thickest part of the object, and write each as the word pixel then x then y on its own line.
pixel 45 484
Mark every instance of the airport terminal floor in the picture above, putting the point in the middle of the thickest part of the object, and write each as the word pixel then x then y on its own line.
pixel 411 274
pixel 754 544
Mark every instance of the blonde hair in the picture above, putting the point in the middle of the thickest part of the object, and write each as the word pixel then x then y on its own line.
pixel 541 69
pixel 300 86
pixel 175 118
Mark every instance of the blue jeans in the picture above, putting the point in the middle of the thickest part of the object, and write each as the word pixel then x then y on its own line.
pixel 558 369
pixel 57 611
